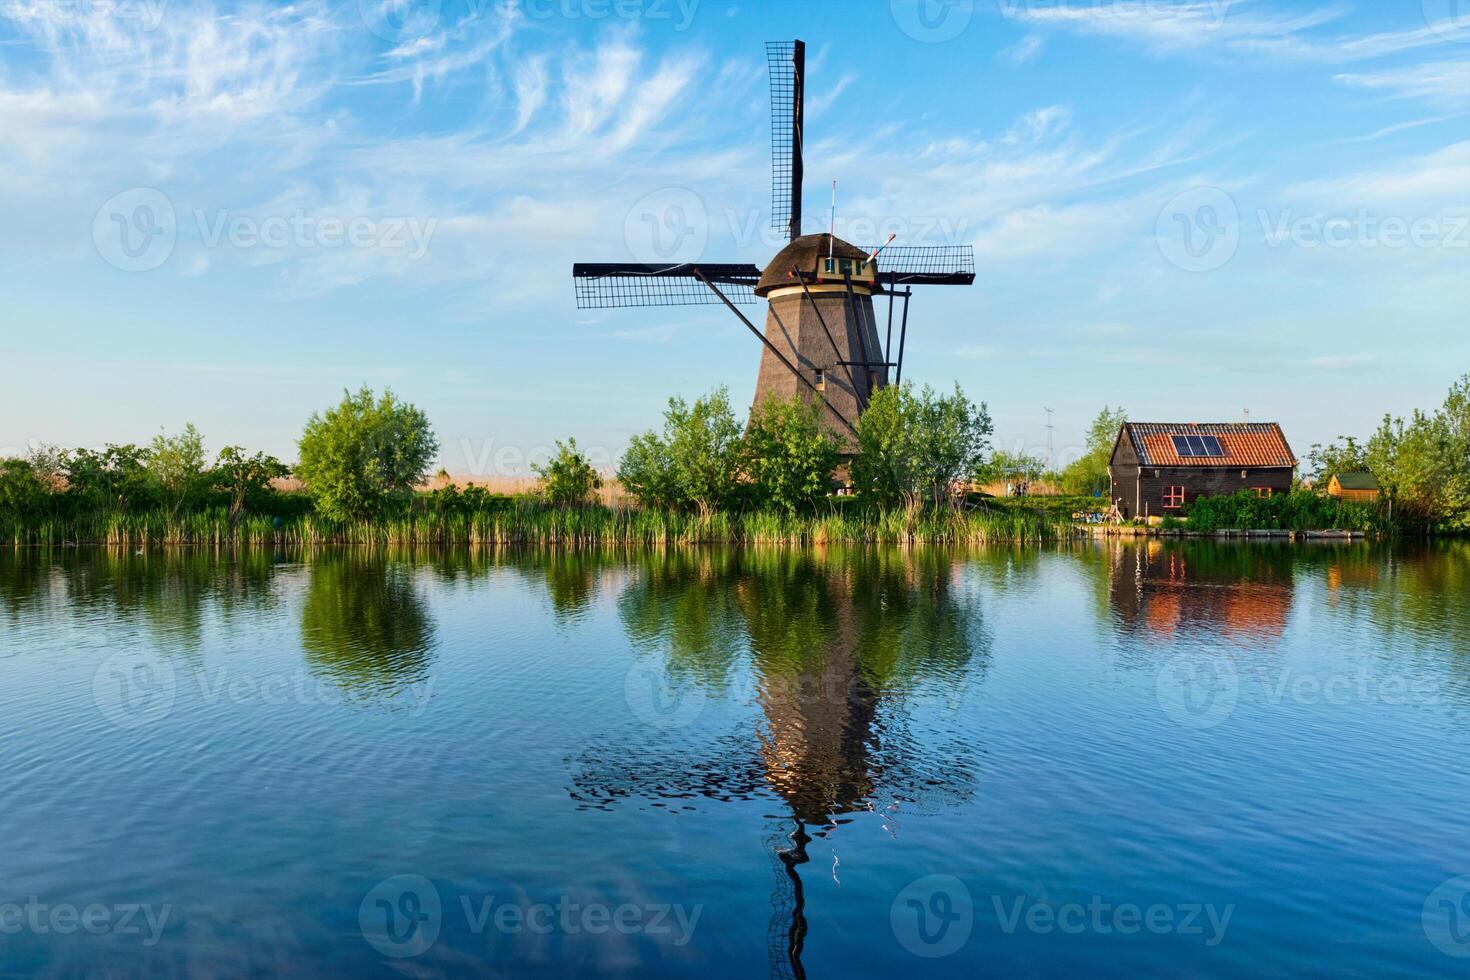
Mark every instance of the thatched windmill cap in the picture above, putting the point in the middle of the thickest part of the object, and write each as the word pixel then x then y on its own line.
pixel 803 254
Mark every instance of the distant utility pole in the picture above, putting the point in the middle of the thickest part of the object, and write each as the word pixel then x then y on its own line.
pixel 1049 461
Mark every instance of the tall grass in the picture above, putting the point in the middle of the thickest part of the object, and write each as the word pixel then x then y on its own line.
pixel 537 523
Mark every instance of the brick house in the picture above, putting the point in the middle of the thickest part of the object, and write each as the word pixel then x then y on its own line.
pixel 1158 467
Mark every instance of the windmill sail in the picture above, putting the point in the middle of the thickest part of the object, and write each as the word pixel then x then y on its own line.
pixel 606 285
pixel 787 63
pixel 928 265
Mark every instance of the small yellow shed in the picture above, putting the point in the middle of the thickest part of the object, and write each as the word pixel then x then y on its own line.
pixel 1361 487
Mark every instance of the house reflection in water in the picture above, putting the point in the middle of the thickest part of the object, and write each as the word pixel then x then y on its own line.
pixel 1164 589
pixel 833 641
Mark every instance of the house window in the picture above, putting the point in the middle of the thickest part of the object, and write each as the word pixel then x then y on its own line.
pixel 1173 497
pixel 1262 491
pixel 821 380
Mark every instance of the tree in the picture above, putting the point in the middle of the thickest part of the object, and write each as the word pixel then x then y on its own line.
pixel 1010 467
pixel 116 477
pixel 955 438
pixel 22 492
pixel 244 478
pixel 1344 455
pixel 176 466
pixel 48 462
pixel 912 447
pixel 694 463
pixel 1409 459
pixel 1089 473
pixel 363 453
pixel 646 472
pixel 790 454
pixel 704 447
pixel 568 478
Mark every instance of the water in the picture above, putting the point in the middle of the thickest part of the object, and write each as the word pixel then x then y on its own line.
pixel 1181 758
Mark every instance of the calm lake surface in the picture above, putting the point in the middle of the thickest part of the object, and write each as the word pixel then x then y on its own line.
pixel 1100 759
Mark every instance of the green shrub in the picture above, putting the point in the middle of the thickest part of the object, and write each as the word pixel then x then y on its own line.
pixel 364 454
pixel 1299 510
pixel 175 464
pixel 917 447
pixel 790 455
pixel 694 463
pixel 568 478
pixel 1089 473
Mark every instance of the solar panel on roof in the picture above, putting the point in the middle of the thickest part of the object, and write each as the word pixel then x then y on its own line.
pixel 1198 445
pixel 1212 446
pixel 1182 446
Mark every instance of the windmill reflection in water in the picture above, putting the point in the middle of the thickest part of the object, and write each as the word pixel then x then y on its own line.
pixel 836 643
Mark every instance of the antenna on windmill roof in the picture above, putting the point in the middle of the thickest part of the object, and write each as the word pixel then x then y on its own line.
pixel 889 241
pixel 832 222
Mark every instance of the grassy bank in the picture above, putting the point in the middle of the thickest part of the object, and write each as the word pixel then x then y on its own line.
pixel 532 522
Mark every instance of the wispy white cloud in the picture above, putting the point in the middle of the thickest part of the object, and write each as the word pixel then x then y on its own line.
pixel 1444 83
pixel 1232 26
pixel 1024 50
pixel 819 102
pixel 1427 183
pixel 1341 362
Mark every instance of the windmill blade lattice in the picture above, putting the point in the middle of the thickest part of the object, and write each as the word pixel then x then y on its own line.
pixel 933 265
pixel 610 285
pixel 786 61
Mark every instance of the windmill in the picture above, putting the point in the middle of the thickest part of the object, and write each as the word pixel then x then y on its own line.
pixel 821 335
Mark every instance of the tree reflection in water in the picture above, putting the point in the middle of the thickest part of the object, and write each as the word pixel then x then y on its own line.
pixel 364 623
pixel 833 644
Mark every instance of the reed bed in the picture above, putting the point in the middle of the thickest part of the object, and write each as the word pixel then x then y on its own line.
pixel 536 523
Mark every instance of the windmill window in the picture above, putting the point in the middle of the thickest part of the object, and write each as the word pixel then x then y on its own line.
pixel 821 380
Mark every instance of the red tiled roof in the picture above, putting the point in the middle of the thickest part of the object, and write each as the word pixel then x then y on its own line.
pixel 1245 443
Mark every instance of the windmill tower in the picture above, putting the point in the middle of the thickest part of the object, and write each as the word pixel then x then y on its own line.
pixel 821 339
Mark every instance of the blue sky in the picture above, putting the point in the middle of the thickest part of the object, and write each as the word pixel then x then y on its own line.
pixel 225 214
